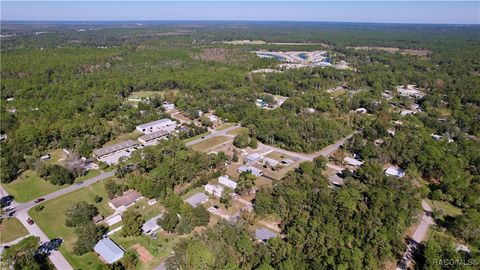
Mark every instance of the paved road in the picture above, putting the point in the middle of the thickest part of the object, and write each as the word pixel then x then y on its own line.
pixel 27 205
pixel 417 237
pixel 21 213
pixel 214 133
pixel 327 151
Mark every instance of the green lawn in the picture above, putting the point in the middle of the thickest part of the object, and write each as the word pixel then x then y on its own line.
pixel 447 208
pixel 210 143
pixel 52 221
pixel 56 156
pixel 29 186
pixel 126 136
pixel 11 229
pixel 160 248
pixel 238 131
pixel 90 174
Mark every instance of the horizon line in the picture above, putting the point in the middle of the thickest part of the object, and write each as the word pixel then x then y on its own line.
pixel 246 20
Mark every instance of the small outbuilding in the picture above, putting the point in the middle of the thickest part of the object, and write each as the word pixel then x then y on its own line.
pixel 226 181
pixel 108 250
pixel 253 170
pixel 215 190
pixel 352 162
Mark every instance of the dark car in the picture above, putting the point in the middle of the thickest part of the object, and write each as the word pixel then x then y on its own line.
pixel 30 221
pixel 6 201
pixel 39 200
pixel 11 214
pixel 203 137
pixel 79 183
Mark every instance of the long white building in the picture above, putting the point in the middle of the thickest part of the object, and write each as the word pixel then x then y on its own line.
pixel 162 124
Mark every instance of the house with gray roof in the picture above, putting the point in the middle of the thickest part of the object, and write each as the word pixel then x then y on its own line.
pixel 108 250
pixel 151 226
pixel 197 199
pixel 105 151
pixel 147 138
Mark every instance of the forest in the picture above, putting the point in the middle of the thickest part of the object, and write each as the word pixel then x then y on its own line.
pixel 68 89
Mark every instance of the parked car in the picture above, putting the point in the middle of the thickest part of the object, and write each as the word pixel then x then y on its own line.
pixel 79 183
pixel 39 200
pixel 11 214
pixel 6 201
pixel 30 221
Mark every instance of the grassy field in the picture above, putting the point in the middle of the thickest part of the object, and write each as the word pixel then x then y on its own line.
pixel 90 174
pixel 224 126
pixel 238 131
pixel 210 143
pixel 52 221
pixel 447 208
pixel 56 156
pixel 11 229
pixel 159 248
pixel 126 136
pixel 29 186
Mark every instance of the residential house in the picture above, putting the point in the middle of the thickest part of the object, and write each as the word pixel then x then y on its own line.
pixel 394 171
pixel 253 170
pixel 168 106
pixel 128 198
pixel 151 226
pixel 215 190
pixel 263 234
pixel 197 199
pixel 352 162
pixel 253 158
pixel 225 180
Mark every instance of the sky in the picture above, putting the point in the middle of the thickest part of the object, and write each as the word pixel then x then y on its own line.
pixel 437 12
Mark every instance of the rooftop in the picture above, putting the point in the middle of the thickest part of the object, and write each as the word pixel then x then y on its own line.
pixel 108 250
pixel 264 234
pixel 126 199
pixel 196 199
pixel 114 148
pixel 153 135
pixel 163 121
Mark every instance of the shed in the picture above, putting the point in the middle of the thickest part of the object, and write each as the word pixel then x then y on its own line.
pixel 336 180
pixel 108 250
pixel 196 199
pixel 97 218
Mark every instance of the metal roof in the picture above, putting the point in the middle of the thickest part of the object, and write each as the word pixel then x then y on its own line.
pixel 196 199
pixel 264 234
pixel 163 121
pixel 153 135
pixel 108 250
pixel 114 148
pixel 151 224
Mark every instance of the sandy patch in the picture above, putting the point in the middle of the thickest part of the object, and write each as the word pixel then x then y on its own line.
pixel 143 253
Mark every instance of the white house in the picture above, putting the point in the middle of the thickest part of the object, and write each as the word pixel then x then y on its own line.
pixel 197 199
pixel 213 118
pixel 168 106
pixel 162 124
pixel 252 158
pixel 270 161
pixel 407 112
pixel 352 162
pixel 395 171
pixel 214 190
pixel 225 180
pixel 253 170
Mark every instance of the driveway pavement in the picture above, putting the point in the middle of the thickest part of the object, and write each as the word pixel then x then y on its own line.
pixel 417 237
